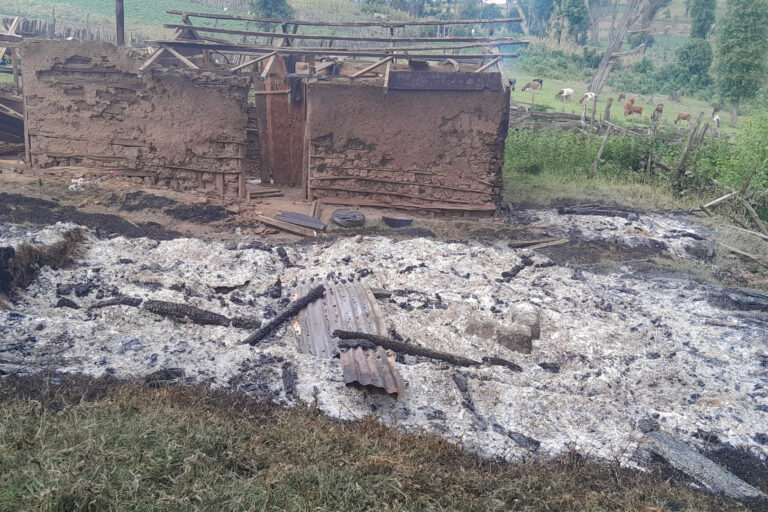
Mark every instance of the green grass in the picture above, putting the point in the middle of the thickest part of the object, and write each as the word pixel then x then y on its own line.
pixel 546 97
pixel 105 446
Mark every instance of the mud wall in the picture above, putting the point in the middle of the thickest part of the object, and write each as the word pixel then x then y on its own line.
pixel 87 105
pixel 415 149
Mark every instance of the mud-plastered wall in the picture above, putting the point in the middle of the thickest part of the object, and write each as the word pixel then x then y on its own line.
pixel 87 105
pixel 414 149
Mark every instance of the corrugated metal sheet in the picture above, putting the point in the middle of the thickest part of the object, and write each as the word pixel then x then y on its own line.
pixel 349 307
pixel 373 370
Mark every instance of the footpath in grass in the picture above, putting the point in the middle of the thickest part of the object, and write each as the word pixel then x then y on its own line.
pixel 70 443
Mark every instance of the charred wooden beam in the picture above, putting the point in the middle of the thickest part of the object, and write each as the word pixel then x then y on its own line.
pixel 284 315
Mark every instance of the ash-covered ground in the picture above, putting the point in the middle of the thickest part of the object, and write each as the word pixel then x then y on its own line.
pixel 617 343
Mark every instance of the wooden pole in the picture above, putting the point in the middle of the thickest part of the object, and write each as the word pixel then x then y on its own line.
pixel 15 60
pixel 686 151
pixel 593 169
pixel 120 19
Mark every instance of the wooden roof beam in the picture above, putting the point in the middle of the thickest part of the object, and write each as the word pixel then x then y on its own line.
pixel 343 24
pixel 255 33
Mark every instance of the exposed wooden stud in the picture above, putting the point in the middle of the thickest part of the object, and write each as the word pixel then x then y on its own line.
pixel 182 58
pixel 372 67
pixel 386 77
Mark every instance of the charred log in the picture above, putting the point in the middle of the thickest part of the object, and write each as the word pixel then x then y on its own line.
pixel 284 315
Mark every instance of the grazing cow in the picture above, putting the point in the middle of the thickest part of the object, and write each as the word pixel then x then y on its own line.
pixel 683 116
pixel 564 94
pixel 657 112
pixel 630 109
pixel 631 101
pixel 717 120
pixel 588 96
pixel 532 86
pixel 622 96
pixel 715 110
pixel 659 108
pixel 541 82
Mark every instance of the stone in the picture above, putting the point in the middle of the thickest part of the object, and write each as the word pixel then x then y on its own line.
pixel 527 314
pixel 516 337
pixel 481 328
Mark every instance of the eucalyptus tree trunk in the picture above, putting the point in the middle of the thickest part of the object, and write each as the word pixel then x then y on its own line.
pixel 618 31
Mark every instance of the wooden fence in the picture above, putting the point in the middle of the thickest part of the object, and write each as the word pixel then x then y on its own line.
pixel 56 29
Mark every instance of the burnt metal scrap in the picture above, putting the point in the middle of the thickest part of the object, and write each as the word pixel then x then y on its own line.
pixel 349 306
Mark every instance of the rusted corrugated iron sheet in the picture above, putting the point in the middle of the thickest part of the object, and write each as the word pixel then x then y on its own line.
pixel 350 307
pixel 373 370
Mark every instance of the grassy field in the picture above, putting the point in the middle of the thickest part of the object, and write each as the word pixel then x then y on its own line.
pixel 546 97
pixel 77 445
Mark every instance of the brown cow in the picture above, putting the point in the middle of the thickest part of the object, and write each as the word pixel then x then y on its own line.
pixel 659 108
pixel 622 96
pixel 715 110
pixel 636 110
pixel 532 86
pixel 631 101
pixel 683 116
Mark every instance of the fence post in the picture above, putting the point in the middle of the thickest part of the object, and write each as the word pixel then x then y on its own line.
pixel 120 19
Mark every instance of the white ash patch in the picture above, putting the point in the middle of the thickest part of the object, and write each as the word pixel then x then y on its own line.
pixel 614 346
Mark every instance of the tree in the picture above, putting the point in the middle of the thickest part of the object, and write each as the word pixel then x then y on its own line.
pixel 742 46
pixel 537 14
pixel 702 17
pixel 577 15
pixel 695 56
pixel 278 9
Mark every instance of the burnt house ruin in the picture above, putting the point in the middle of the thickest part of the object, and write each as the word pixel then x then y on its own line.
pixel 372 123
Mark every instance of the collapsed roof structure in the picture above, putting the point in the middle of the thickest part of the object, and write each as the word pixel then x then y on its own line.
pixel 422 126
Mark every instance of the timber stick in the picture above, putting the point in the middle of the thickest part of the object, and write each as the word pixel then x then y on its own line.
pixel 753 214
pixel 559 241
pixel 266 93
pixel 719 200
pixel 395 24
pixel 286 226
pixel 747 181
pixel 751 232
pixel 371 67
pixel 253 61
pixel 744 254
pixel 493 62
pixel 292 310
pixel 182 58
pixel 256 33
pixel 593 169
pixel 403 348
pixel 349 339
pixel 152 58
pixel 15 63
pixel 298 50
pixel 518 244
pixel 689 145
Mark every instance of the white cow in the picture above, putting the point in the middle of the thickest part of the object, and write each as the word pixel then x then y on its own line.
pixel 564 94
pixel 588 96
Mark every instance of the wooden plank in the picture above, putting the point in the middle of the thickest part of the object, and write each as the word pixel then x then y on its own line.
pixel 493 62
pixel 444 81
pixel 343 24
pixel 371 67
pixel 152 58
pixel 246 48
pixel 285 226
pixel 406 205
pixel 254 61
pixel 15 64
pixel 219 180
pixel 258 33
pixel 183 59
